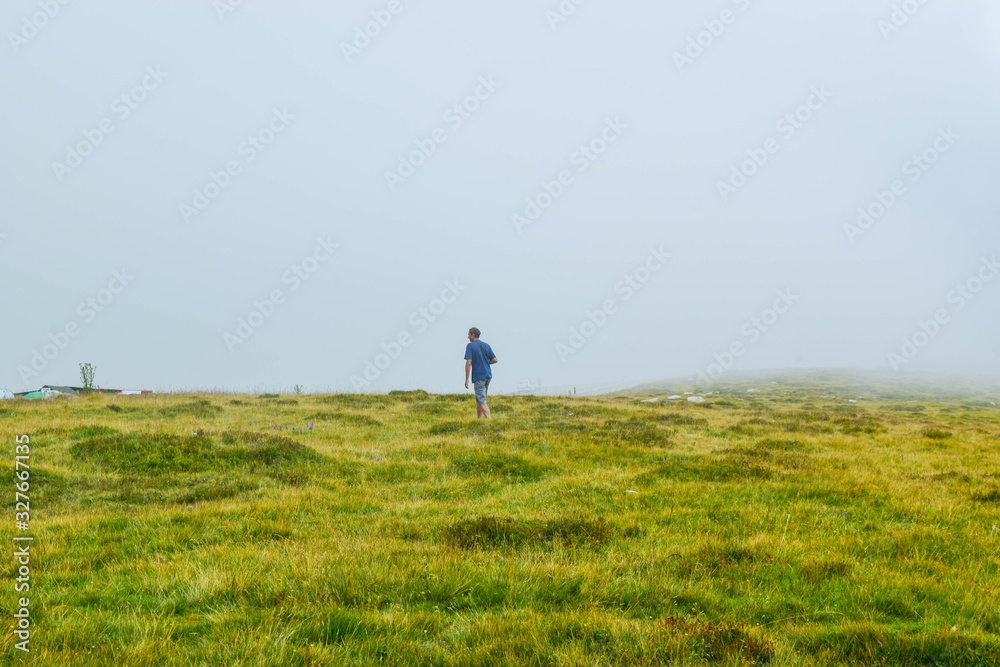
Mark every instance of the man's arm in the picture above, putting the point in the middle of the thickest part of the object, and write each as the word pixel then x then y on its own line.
pixel 468 367
pixel 493 361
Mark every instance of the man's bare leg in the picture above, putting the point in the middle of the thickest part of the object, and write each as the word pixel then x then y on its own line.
pixel 484 410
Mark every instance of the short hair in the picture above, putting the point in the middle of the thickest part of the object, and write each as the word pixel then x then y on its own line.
pixel 475 332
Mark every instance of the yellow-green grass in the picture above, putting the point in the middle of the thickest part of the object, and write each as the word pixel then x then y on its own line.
pixel 773 528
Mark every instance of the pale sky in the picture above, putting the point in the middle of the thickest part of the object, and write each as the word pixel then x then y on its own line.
pixel 697 168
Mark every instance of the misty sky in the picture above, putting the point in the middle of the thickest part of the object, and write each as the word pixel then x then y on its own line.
pixel 168 169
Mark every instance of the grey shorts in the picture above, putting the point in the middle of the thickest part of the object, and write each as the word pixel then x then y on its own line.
pixel 481 387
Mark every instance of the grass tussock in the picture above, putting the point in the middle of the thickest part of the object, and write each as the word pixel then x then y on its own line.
pixel 717 642
pixel 490 532
pixel 152 454
pixel 498 464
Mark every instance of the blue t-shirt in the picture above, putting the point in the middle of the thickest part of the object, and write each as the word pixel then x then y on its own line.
pixel 480 362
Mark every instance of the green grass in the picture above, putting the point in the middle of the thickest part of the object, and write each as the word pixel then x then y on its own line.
pixel 785 527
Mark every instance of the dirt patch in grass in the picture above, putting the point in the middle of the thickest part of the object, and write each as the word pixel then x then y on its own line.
pixel 491 532
pixel 717 642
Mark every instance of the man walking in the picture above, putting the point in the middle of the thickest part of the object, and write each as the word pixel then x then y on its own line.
pixel 478 358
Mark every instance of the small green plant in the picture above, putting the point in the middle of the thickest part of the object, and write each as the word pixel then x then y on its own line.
pixel 298 389
pixel 87 376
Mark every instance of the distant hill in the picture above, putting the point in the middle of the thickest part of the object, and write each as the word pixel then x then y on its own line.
pixel 834 381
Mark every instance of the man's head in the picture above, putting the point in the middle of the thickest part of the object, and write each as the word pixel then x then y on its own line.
pixel 474 333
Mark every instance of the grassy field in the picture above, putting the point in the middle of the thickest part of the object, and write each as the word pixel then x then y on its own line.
pixel 782 527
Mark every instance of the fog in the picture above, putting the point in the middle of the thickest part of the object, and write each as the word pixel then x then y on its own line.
pixel 253 195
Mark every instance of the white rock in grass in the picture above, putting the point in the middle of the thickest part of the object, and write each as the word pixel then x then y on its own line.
pixel 696 399
pixel 674 397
